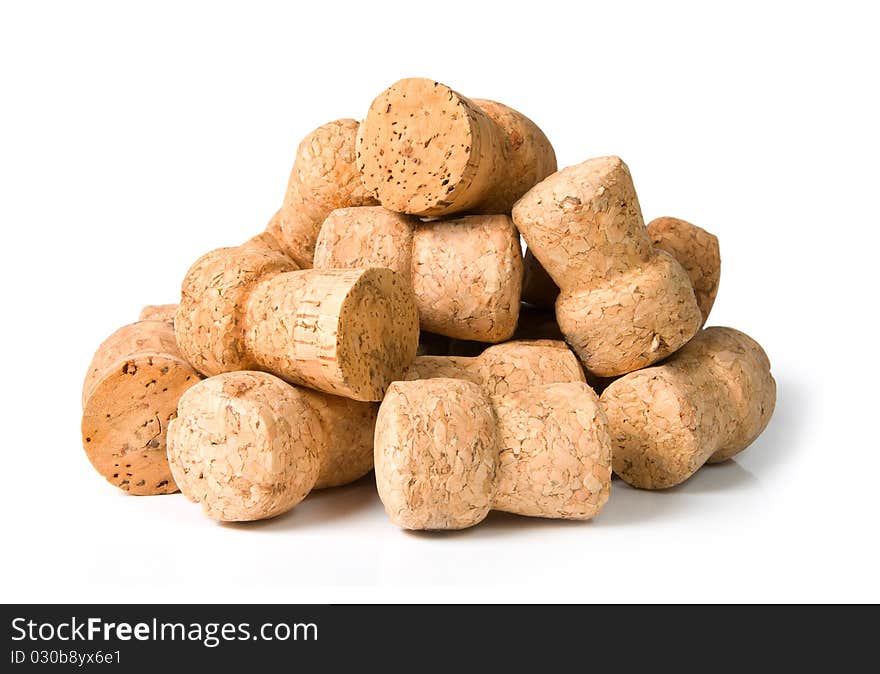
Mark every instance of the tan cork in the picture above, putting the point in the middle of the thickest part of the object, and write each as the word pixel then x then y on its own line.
pixel 696 250
pixel 158 312
pixel 623 305
pixel 465 272
pixel 349 332
pixel 426 150
pixel 504 368
pixel 248 446
pixel 129 396
pixel 324 177
pixel 446 453
pixel 708 402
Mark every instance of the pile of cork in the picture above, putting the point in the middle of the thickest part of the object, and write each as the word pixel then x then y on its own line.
pixel 387 320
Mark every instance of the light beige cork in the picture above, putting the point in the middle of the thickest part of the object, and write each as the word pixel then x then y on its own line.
pixel 623 304
pixel 158 312
pixel 446 453
pixel 504 368
pixel 248 446
pixel 708 402
pixel 349 332
pixel 426 150
pixel 129 395
pixel 697 251
pixel 465 272
pixel 324 177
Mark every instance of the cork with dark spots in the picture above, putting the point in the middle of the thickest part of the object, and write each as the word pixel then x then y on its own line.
pixel 696 250
pixel 426 150
pixel 706 403
pixel 349 332
pixel 465 272
pixel 324 177
pixel 504 368
pixel 248 446
pixel 623 304
pixel 129 396
pixel 446 453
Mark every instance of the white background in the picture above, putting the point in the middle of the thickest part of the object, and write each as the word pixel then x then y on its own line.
pixel 136 136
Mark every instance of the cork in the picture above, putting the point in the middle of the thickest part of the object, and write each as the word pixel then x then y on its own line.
pixel 248 446
pixel 158 312
pixel 129 395
pixel 465 272
pixel 623 304
pixel 697 251
pixel 348 332
pixel 324 177
pixel 426 150
pixel 706 403
pixel 446 453
pixel 504 368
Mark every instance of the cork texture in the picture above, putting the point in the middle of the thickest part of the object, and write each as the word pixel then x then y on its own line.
pixel 465 272
pixel 708 402
pixel 324 177
pixel 248 446
pixel 130 394
pixel 158 312
pixel 697 251
pixel 346 332
pixel 504 368
pixel 426 150
pixel 623 305
pixel 446 453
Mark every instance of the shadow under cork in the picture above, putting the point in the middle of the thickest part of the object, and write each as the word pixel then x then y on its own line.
pixel 322 506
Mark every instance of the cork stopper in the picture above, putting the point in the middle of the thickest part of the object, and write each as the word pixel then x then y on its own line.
pixel 349 332
pixel 248 446
pixel 425 149
pixel 445 453
pixel 708 402
pixel 697 251
pixel 129 396
pixel 623 305
pixel 324 177
pixel 158 312
pixel 465 272
pixel 346 332
pixel 504 368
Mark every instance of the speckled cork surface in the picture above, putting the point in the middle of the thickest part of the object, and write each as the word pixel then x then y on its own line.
pixel 504 368
pixel 697 251
pixel 248 446
pixel 348 332
pixel 425 149
pixel 129 396
pixel 465 272
pixel 623 305
pixel 324 177
pixel 707 402
pixel 446 453
pixel 158 312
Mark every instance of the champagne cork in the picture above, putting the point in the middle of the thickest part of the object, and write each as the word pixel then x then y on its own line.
pixel 446 453
pixel 426 150
pixel 324 177
pixel 129 396
pixel 348 332
pixel 465 273
pixel 706 403
pixel 248 446
pixel 623 305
